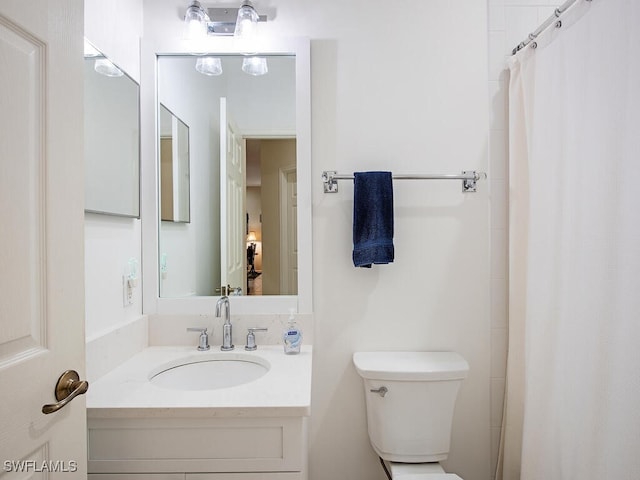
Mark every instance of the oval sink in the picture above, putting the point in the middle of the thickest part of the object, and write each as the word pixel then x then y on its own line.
pixel 210 372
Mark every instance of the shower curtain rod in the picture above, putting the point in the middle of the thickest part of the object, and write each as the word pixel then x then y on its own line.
pixel 552 20
pixel 469 179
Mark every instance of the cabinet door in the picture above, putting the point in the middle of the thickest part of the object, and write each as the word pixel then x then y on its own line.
pixel 141 445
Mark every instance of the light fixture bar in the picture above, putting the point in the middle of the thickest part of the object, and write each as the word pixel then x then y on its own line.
pixel 223 20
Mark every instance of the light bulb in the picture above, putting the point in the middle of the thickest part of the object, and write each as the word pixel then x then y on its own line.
pixel 246 21
pixel 195 22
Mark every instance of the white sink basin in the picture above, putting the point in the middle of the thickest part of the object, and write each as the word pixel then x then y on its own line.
pixel 209 371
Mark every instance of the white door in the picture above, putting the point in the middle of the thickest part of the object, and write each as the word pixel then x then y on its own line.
pixel 233 256
pixel 41 236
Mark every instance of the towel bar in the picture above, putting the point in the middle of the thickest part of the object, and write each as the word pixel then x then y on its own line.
pixel 469 179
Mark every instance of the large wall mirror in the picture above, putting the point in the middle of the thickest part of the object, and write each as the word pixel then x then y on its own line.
pixel 112 137
pixel 249 226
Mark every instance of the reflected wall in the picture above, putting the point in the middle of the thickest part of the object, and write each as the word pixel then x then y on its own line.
pixel 112 142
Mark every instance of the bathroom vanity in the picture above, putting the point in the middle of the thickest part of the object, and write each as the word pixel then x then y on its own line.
pixel 138 428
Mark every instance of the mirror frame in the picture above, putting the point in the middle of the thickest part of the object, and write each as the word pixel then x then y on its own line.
pixel 269 304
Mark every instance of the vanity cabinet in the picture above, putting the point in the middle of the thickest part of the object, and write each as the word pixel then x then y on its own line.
pixel 206 448
pixel 253 431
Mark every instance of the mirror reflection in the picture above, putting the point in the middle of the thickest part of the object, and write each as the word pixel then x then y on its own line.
pixel 242 232
pixel 112 137
pixel 174 167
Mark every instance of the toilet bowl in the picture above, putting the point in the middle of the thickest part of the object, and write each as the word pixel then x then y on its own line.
pixel 410 399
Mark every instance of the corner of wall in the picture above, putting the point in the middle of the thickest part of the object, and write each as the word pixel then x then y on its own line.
pixel 107 350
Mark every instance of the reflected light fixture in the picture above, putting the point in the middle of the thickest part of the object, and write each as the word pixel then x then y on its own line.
pixel 104 67
pixel 255 65
pixel 252 236
pixel 210 66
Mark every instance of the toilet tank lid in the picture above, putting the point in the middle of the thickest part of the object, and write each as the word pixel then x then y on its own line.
pixel 410 366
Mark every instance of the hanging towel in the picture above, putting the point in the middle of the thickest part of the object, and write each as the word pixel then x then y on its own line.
pixel 372 218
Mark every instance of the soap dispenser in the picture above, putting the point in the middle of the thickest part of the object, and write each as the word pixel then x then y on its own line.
pixel 292 336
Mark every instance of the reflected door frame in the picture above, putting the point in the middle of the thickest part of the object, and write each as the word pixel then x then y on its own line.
pixel 288 229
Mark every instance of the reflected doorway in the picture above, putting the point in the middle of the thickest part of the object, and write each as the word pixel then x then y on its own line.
pixel 271 202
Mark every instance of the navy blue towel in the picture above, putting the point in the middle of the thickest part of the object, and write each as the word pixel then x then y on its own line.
pixel 372 218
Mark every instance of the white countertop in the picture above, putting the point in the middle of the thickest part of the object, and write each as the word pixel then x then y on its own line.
pixel 126 392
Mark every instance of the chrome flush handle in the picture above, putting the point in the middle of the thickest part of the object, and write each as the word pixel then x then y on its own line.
pixel 382 391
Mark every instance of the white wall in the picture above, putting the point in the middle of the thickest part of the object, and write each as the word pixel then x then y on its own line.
pixel 115 28
pixel 111 142
pixel 189 245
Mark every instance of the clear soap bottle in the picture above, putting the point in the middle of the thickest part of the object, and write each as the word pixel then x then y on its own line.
pixel 292 336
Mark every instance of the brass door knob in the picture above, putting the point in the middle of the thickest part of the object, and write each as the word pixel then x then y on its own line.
pixel 69 386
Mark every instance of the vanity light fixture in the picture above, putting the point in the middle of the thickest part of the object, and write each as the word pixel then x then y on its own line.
pixel 240 22
pixel 255 65
pixel 210 66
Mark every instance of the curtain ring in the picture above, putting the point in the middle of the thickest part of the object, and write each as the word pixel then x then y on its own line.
pixel 559 24
pixel 534 45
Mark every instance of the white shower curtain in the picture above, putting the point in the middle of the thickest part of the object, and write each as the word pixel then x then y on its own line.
pixel 573 378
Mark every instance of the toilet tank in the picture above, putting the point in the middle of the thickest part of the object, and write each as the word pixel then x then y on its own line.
pixel 409 420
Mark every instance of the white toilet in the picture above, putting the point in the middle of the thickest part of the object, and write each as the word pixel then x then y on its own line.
pixel 410 399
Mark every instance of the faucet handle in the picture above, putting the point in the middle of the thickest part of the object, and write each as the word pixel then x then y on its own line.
pixel 251 338
pixel 203 341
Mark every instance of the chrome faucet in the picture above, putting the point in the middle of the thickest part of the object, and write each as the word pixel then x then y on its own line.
pixel 227 334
